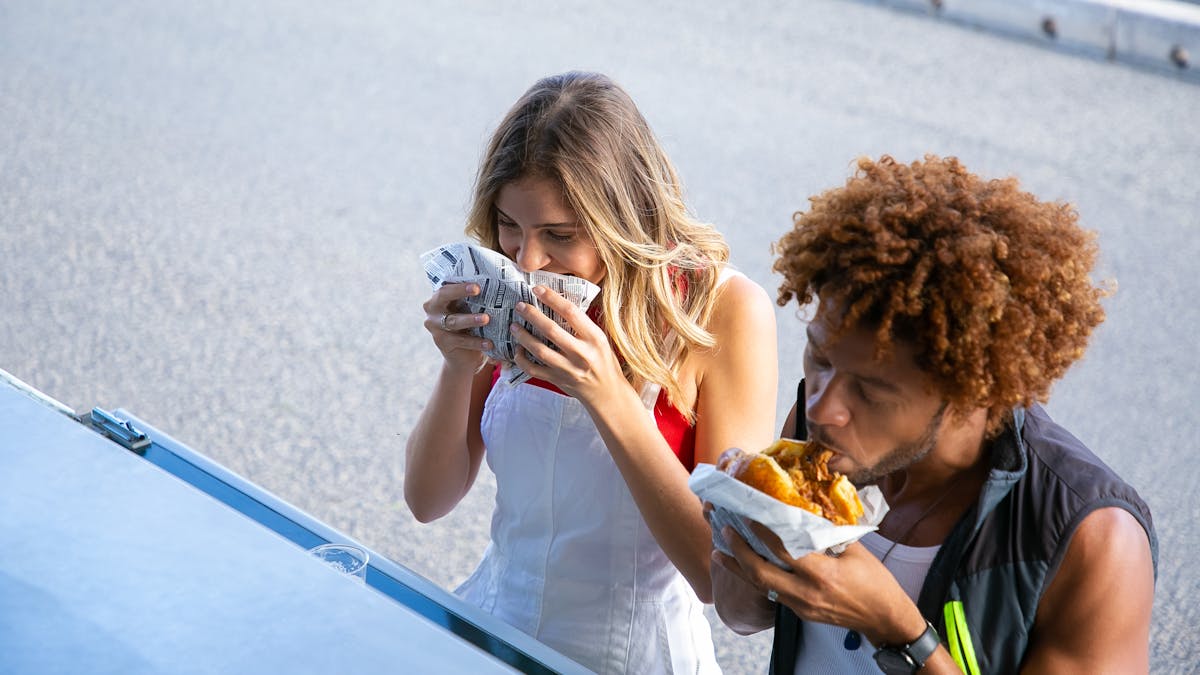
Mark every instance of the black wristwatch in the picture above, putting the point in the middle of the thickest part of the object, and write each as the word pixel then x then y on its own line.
pixel 908 659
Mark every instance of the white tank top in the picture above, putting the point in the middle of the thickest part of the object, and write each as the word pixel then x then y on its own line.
pixel 571 561
pixel 825 647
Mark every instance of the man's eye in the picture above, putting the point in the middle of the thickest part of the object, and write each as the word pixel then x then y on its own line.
pixel 873 401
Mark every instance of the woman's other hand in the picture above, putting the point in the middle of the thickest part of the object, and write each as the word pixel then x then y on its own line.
pixel 584 364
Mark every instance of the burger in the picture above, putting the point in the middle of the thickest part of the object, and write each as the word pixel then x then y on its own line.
pixel 797 473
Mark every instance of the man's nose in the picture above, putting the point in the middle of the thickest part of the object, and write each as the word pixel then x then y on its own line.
pixel 825 405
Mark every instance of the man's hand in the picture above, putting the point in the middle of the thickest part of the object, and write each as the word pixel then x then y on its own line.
pixel 853 590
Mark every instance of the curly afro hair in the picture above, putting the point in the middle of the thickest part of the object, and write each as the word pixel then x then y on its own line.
pixel 990 284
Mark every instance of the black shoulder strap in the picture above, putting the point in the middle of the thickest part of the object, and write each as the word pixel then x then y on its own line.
pixel 786 642
pixel 800 431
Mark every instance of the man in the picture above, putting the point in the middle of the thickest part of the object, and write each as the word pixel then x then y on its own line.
pixel 946 307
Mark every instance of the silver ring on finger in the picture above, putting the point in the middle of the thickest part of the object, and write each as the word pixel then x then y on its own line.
pixel 443 324
pixel 772 595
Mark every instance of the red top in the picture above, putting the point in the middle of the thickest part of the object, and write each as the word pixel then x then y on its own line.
pixel 674 427
pixel 672 424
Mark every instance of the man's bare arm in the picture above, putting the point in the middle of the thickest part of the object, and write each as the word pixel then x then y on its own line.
pixel 1095 615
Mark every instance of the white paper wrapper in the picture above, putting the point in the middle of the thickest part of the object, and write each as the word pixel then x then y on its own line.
pixel 502 285
pixel 801 532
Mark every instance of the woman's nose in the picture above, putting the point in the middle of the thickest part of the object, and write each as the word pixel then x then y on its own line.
pixel 531 256
pixel 825 405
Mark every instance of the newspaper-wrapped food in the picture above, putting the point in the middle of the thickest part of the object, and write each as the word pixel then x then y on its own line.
pixel 502 285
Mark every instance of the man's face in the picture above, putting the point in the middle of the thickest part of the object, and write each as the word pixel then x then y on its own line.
pixel 877 416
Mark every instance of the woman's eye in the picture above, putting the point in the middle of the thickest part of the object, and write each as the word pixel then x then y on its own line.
pixel 500 222
pixel 554 236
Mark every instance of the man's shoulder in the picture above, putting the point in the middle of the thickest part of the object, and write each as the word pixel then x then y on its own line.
pixel 1064 482
pixel 1055 455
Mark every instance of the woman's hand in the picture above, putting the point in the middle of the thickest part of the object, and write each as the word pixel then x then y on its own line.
pixel 584 366
pixel 448 325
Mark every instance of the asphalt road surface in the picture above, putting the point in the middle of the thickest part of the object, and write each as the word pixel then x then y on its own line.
pixel 210 215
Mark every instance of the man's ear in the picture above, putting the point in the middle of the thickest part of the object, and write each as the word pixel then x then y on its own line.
pixel 973 418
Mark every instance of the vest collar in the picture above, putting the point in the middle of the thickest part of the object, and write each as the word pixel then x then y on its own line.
pixel 1010 461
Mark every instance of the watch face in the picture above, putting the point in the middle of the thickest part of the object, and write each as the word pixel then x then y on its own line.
pixel 894 662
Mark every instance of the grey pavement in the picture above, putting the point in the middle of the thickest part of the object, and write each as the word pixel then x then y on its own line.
pixel 210 215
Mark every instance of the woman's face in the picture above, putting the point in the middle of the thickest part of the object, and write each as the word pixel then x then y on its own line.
pixel 540 231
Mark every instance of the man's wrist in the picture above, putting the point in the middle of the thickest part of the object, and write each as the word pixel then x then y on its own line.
pixel 909 657
pixel 899 631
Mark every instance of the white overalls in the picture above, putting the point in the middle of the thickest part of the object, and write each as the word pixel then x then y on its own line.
pixel 571 561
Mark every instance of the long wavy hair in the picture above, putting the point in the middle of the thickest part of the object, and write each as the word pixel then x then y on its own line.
pixel 584 132
pixel 991 284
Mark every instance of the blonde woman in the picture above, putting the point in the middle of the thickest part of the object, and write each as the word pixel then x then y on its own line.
pixel 597 548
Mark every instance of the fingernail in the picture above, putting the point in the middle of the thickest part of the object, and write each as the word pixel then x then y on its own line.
pixel 487 345
pixel 514 327
pixel 521 306
pixel 539 291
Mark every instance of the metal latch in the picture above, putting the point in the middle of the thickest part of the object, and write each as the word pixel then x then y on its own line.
pixel 121 431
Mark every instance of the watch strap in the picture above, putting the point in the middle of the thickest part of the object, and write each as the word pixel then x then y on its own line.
pixel 912 655
pixel 924 646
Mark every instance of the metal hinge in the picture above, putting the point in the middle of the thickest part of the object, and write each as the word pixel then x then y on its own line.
pixel 121 431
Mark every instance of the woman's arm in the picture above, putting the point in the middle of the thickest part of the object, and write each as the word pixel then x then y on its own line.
pixel 741 606
pixel 445 447
pixel 735 407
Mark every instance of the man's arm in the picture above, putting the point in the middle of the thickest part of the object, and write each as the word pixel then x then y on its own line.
pixel 1095 615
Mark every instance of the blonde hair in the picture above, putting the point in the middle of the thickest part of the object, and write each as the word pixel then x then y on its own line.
pixel 584 132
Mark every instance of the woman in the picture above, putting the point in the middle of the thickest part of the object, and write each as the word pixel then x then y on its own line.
pixel 599 548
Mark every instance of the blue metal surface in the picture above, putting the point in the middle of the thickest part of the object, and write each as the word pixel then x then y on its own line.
pixel 393 580
pixel 110 563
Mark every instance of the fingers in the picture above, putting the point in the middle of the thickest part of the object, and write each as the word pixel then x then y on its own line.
pixel 454 323
pixel 554 301
pixel 750 566
pixel 443 309
pixel 771 541
pixel 534 351
pixel 577 319
pixel 450 293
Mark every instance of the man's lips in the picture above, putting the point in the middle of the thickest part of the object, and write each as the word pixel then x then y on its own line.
pixel 815 436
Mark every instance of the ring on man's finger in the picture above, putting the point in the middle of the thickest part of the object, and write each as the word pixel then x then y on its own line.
pixel 443 322
pixel 772 595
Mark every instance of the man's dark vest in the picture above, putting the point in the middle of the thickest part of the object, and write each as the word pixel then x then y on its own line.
pixel 983 588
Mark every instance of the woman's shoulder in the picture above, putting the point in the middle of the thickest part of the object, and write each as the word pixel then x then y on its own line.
pixel 739 297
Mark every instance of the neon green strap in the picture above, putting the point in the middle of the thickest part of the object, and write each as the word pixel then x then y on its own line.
pixel 959 638
pixel 952 636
